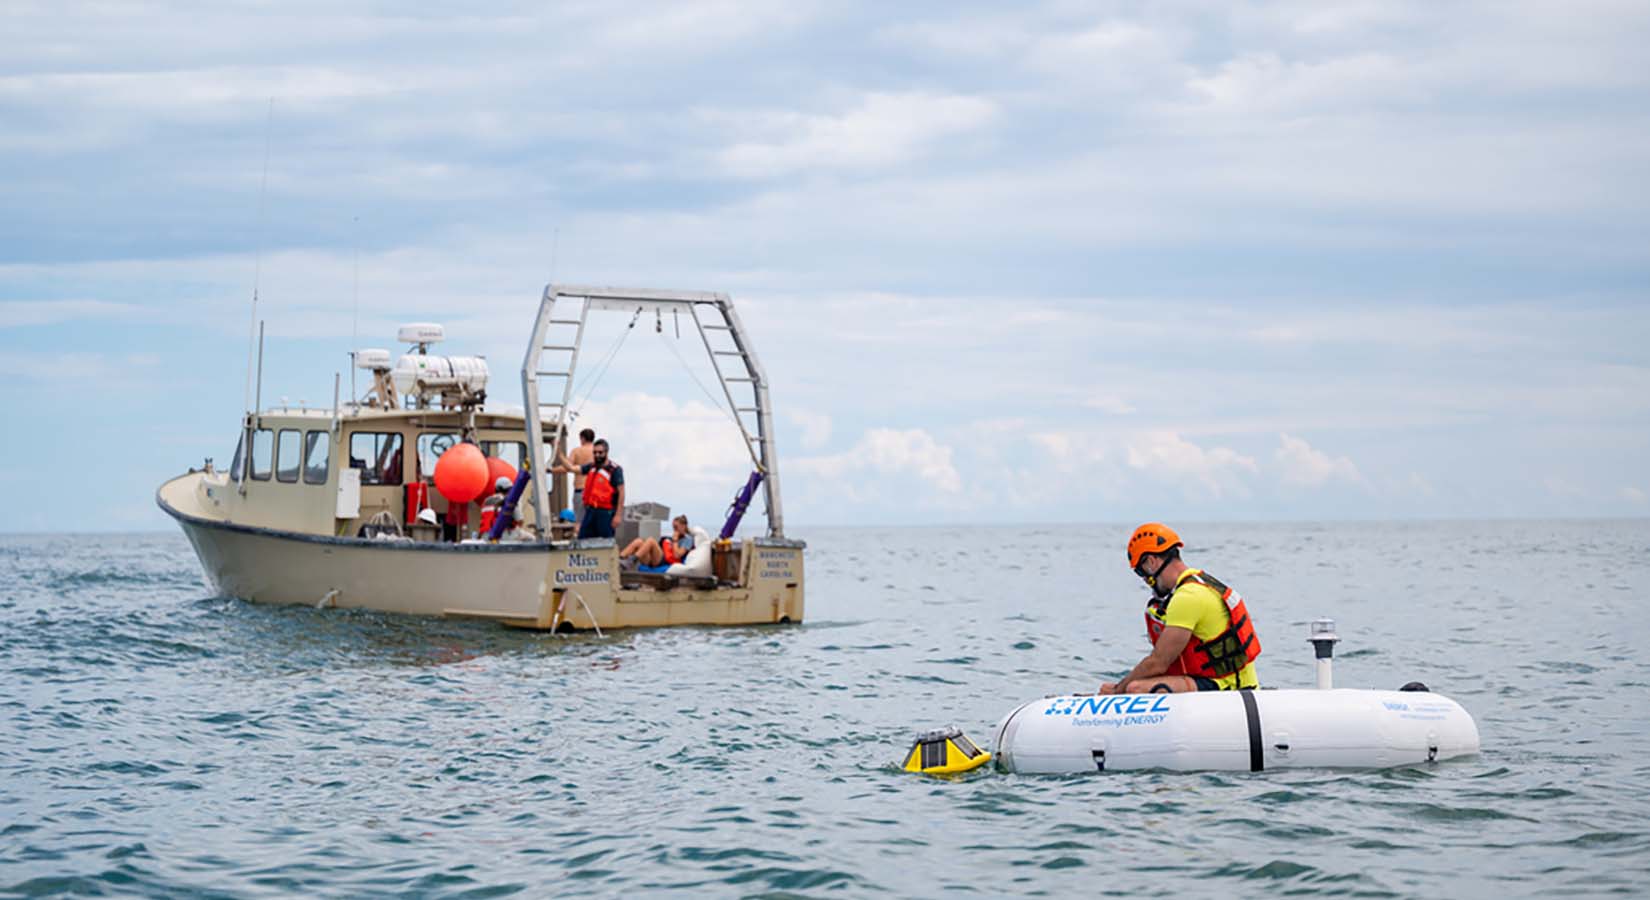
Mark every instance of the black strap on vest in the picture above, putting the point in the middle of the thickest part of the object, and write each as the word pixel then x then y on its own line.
pixel 1257 758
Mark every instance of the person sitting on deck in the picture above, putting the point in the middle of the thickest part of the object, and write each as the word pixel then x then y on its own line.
pixel 1202 636
pixel 658 555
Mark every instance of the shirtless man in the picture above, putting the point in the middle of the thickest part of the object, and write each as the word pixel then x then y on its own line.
pixel 580 456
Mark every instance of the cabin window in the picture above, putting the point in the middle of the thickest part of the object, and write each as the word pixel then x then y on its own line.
pixel 286 455
pixel 263 448
pixel 378 455
pixel 317 457
pixel 431 444
pixel 512 452
pixel 235 466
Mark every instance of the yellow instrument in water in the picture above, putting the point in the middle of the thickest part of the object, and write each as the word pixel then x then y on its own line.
pixel 944 751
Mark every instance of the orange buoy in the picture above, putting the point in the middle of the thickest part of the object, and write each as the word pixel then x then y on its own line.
pixel 461 473
pixel 498 468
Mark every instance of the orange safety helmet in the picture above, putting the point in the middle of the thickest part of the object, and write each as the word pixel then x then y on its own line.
pixel 1152 537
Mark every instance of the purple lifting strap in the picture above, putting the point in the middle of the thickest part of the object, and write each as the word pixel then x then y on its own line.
pixel 740 502
pixel 507 512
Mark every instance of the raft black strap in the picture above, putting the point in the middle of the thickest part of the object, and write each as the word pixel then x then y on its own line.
pixel 1257 760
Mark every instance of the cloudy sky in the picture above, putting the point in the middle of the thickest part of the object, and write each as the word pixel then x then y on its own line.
pixel 1072 262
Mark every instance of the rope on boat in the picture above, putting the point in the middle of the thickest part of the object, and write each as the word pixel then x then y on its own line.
pixel 607 362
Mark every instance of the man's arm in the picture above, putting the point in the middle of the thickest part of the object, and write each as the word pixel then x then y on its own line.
pixel 618 504
pixel 1169 645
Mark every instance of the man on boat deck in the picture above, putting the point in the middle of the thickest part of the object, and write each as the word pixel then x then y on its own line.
pixel 1202 636
pixel 581 455
pixel 603 492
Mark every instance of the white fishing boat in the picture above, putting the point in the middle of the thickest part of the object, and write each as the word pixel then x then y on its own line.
pixel 337 507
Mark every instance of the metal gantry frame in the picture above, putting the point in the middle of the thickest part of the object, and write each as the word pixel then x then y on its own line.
pixel 556 340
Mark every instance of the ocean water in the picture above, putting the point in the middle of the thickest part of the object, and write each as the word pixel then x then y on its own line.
pixel 157 740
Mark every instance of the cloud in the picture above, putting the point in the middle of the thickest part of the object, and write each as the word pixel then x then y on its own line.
pixel 1634 495
pixel 816 427
pixel 1302 466
pixel 1418 485
pixel 885 451
pixel 52 367
pixel 1220 471
pixel 883 130
pixel 1264 83
pixel 684 455
pixel 1404 227
pixel 1109 403
pixel 15 313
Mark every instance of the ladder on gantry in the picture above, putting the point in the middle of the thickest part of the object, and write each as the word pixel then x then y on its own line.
pixel 552 360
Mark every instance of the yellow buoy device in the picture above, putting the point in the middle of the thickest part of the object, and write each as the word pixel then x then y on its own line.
pixel 944 751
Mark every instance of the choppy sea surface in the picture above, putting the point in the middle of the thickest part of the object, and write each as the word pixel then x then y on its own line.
pixel 157 740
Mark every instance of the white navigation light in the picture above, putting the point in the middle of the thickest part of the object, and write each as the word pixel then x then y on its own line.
pixel 421 333
pixel 372 359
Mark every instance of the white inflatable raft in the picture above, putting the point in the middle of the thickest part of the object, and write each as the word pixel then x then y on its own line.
pixel 1235 730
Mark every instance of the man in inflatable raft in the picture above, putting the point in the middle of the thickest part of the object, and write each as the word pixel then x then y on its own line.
pixel 1201 633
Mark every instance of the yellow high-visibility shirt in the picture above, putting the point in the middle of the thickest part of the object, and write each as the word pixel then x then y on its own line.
pixel 1199 609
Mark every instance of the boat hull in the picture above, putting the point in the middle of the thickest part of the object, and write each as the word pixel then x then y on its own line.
pixel 533 585
pixel 1233 730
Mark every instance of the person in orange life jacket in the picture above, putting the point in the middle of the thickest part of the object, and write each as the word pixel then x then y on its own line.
pixel 657 555
pixel 491 507
pixel 603 492
pixel 1201 633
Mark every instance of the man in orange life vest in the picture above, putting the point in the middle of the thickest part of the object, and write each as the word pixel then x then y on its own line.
pixel 603 492
pixel 1202 636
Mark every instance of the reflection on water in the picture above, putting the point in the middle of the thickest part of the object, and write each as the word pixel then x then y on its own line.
pixel 158 741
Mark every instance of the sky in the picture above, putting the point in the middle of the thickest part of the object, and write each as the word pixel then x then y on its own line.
pixel 1004 263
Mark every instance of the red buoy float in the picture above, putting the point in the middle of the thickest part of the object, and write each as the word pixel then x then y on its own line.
pixel 461 473
pixel 498 468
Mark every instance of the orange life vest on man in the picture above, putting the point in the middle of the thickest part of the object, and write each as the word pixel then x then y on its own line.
pixel 1225 654
pixel 598 488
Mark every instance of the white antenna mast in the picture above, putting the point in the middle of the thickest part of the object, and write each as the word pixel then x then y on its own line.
pixel 355 316
pixel 258 258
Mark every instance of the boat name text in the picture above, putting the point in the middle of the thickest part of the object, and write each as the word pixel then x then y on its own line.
pixel 585 562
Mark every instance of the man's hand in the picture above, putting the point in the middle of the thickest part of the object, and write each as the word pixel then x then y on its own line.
pixel 1111 688
pixel 616 518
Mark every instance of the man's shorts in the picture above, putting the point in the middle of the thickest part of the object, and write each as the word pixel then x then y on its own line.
pixel 1205 684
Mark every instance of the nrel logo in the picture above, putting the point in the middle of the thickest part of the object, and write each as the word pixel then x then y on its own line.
pixel 1114 705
